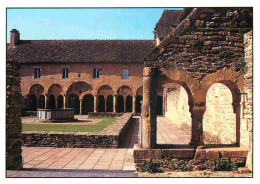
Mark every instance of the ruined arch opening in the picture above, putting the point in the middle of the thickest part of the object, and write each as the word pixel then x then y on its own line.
pixel 138 104
pixel 109 103
pixel 74 103
pixel 60 102
pixel 129 103
pixel 88 104
pixel 120 103
pixel 219 122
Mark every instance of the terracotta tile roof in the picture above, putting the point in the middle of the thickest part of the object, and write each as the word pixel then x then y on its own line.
pixel 168 20
pixel 95 51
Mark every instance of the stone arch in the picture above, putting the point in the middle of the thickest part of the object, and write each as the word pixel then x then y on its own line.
pixel 55 89
pixel 80 89
pixel 100 87
pixel 227 77
pixel 235 83
pixel 219 121
pixel 52 86
pixel 183 78
pixel 36 90
pixel 139 91
pixel 124 91
pixel 105 90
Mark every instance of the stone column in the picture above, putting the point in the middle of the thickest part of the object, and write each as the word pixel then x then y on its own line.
pixel 80 106
pixel 105 104
pixel 237 110
pixel 46 100
pixel 114 103
pixel 95 103
pixel 134 98
pixel 147 135
pixel 64 101
pixel 197 112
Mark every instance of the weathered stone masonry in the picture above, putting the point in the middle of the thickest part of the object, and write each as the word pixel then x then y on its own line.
pixel 110 137
pixel 204 49
pixel 13 120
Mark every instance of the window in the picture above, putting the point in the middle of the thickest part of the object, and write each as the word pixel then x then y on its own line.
pixel 125 73
pixel 37 73
pixel 65 73
pixel 96 73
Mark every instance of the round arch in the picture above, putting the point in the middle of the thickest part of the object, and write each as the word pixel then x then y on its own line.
pixel 124 91
pixel 79 88
pixel 105 90
pixel 36 90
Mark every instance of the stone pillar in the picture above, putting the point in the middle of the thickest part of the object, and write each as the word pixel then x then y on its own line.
pixel 147 135
pixel 64 101
pixel 114 103
pixel 237 110
pixel 80 106
pixel 105 104
pixel 134 98
pixel 45 101
pixel 13 118
pixel 95 103
pixel 197 112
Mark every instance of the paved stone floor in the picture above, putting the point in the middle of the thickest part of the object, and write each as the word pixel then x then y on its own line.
pixel 87 162
pixel 168 133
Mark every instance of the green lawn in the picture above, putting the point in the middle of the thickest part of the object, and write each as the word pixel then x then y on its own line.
pixel 69 127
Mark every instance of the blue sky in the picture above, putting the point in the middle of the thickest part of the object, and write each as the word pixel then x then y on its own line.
pixel 89 23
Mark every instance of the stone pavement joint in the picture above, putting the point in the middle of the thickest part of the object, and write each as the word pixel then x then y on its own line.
pixel 96 159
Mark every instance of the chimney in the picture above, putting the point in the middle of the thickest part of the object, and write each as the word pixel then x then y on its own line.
pixel 14 37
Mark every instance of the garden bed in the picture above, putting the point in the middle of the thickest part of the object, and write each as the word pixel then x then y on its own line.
pixel 109 137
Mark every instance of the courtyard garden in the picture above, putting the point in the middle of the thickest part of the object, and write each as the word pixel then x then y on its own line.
pixel 88 125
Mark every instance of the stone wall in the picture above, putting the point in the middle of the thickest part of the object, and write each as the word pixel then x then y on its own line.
pixel 177 107
pixel 13 120
pixel 247 100
pixel 110 137
pixel 219 122
pixel 163 160
pixel 213 41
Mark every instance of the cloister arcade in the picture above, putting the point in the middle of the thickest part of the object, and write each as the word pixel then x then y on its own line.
pixel 197 99
pixel 84 99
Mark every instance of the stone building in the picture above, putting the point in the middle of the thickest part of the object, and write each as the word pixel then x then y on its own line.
pixel 87 75
pixel 197 72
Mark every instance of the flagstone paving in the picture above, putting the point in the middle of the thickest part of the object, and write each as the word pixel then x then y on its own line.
pixel 99 159
pixel 88 162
